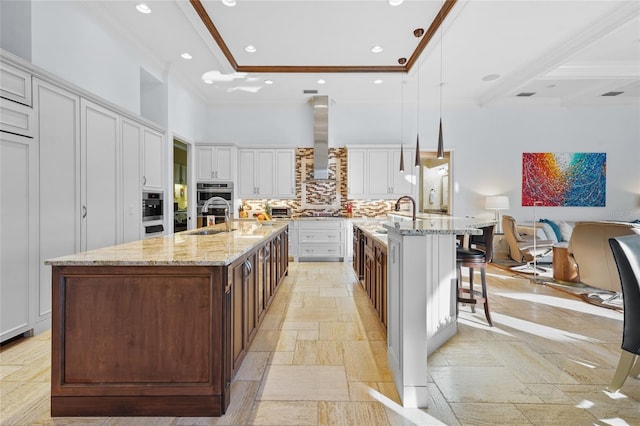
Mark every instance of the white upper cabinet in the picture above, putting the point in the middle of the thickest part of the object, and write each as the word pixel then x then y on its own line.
pixel 215 162
pixel 266 173
pixel 285 184
pixel 152 159
pixel 379 165
pixel 374 173
pixel 15 84
pixel 356 172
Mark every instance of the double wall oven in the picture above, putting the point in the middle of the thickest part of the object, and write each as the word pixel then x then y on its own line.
pixel 206 190
pixel 153 213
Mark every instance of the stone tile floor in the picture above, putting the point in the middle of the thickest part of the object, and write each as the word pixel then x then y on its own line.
pixel 319 358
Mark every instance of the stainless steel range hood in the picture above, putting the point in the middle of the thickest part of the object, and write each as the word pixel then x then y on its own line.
pixel 320 137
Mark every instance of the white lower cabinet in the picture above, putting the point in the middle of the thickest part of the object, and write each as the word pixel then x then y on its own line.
pixel 321 238
pixel 18 234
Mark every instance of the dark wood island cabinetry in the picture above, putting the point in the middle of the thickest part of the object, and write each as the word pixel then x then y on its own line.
pixel 140 335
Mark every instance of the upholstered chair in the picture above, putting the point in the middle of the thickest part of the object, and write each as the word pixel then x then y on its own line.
pixel 522 249
pixel 626 252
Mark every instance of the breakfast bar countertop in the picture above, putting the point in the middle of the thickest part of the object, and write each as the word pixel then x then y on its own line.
pixel 181 249
pixel 439 224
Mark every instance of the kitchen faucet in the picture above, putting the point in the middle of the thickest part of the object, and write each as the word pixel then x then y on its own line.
pixel 413 203
pixel 227 218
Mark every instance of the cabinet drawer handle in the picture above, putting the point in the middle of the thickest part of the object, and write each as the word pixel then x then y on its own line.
pixel 84 211
pixel 144 180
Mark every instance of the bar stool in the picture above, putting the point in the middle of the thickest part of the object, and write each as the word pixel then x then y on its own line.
pixel 473 257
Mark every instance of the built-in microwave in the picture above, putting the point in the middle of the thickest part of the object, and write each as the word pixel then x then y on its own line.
pixel 152 206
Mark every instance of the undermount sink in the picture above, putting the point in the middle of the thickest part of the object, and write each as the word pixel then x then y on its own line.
pixel 211 231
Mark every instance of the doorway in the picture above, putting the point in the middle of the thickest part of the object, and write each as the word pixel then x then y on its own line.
pixel 180 186
pixel 435 183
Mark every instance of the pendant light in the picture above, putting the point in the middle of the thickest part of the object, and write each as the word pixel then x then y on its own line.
pixel 440 153
pixel 417 163
pixel 401 130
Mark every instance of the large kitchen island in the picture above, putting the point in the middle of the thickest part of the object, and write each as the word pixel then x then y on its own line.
pixel 158 327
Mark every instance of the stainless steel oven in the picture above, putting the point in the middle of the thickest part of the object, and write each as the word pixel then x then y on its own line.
pixel 152 206
pixel 206 190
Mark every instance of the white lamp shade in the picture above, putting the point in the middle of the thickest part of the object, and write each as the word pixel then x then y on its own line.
pixel 498 202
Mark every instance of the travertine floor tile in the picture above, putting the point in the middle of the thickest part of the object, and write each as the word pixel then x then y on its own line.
pixel 285 413
pixel 554 414
pixel 253 366
pixel 490 414
pixel 306 383
pixel 320 352
pixel 340 331
pixel 353 413
pixel 471 384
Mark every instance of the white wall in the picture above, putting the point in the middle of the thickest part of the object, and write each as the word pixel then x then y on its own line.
pixel 106 64
pixel 487 142
pixel 70 43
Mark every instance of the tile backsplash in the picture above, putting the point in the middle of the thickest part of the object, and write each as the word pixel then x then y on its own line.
pixel 323 198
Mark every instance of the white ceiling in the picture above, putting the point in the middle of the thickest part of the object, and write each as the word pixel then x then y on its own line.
pixel 566 51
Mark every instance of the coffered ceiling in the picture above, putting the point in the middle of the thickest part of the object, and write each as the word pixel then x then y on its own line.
pixel 493 51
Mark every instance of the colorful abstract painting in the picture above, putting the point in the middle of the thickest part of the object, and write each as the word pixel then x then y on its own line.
pixel 564 179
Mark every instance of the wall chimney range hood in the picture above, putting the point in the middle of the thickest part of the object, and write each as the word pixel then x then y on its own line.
pixel 320 106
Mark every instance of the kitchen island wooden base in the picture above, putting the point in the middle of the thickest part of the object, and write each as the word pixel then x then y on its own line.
pixel 140 341
pixel 165 337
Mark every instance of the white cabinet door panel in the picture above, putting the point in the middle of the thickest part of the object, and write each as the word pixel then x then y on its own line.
pixel 356 168
pixel 58 114
pixel 378 176
pixel 131 136
pixel 265 161
pixel 15 84
pixel 285 174
pixel 152 159
pixel 247 174
pixel 18 233
pixel 17 118
pixel 99 168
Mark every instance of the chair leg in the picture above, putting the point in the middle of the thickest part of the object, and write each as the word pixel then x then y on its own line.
pixel 635 371
pixel 483 274
pixel 625 365
pixel 471 294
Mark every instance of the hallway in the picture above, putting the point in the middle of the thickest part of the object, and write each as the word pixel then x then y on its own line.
pixel 319 358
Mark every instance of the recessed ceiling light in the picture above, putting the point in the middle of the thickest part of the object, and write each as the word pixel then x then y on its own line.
pixel 143 8
pixel 268 82
pixel 376 49
pixel 186 55
pixel 395 2
pixel 321 81
pixel 491 77
pixel 377 81
pixel 250 48
pixel 229 3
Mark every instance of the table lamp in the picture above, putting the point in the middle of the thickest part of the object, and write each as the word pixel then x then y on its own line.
pixel 497 203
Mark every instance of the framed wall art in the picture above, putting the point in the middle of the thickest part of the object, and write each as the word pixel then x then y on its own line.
pixel 564 179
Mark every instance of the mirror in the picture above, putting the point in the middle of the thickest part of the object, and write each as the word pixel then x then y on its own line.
pixel 435 183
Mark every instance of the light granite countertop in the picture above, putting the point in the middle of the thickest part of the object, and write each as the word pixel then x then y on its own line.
pixel 180 249
pixel 439 224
